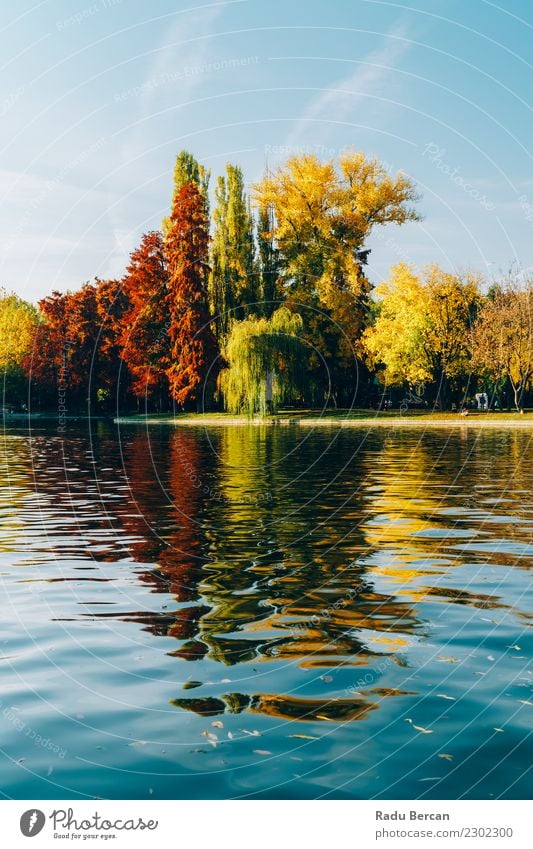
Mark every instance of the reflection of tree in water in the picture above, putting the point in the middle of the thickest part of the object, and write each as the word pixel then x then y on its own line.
pixel 285 707
pixel 418 517
pixel 279 580
pixel 260 562
pixel 272 550
pixel 167 476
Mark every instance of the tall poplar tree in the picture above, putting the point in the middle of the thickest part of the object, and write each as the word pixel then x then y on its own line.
pixel 193 351
pixel 233 284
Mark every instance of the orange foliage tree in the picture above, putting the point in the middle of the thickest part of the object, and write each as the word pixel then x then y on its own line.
pixel 75 349
pixel 192 343
pixel 143 330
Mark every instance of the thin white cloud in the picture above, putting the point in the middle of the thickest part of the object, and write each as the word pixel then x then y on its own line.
pixel 339 102
pixel 171 78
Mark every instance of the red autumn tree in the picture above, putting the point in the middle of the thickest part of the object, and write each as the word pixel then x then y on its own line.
pixel 47 364
pixel 75 350
pixel 144 325
pixel 192 343
pixel 85 358
pixel 111 306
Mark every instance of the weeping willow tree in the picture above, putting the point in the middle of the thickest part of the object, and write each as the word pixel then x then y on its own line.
pixel 265 359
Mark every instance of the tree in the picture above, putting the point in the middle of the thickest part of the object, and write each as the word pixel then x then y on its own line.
pixel 265 363
pixel 143 327
pixel 75 350
pixel 393 344
pixel 192 343
pixel 422 329
pixel 323 215
pixel 503 336
pixel 453 305
pixel 269 260
pixel 187 169
pixel 18 322
pixel 64 355
pixel 233 285
pixel 46 366
pixel 111 305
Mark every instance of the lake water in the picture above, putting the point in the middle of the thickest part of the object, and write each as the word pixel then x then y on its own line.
pixel 268 612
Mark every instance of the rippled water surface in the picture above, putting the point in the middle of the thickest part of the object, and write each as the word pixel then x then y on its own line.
pixel 271 612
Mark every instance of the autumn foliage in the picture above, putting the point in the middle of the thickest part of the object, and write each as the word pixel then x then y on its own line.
pixel 192 343
pixel 193 322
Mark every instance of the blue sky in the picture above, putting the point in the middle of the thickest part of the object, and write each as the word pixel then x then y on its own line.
pixel 98 97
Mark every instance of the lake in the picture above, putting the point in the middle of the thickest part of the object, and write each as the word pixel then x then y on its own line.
pixel 265 612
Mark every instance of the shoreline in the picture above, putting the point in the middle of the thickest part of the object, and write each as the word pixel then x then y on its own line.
pixel 393 421
pixel 504 421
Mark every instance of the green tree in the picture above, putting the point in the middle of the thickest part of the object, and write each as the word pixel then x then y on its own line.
pixel 187 169
pixel 233 288
pixel 269 260
pixel 265 359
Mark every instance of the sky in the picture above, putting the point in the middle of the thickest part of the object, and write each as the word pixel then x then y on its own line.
pixel 97 98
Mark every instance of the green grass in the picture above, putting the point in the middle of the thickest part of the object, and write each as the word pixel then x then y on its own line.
pixel 341 414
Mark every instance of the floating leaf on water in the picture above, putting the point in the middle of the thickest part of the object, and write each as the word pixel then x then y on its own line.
pixel 217 724
pixel 390 641
pixel 419 727
pixel 516 648
pixel 443 659
pixel 251 733
pixel 262 752
pixel 446 757
pixel 304 737
pixel 230 735
pixel 444 696
pixel 209 735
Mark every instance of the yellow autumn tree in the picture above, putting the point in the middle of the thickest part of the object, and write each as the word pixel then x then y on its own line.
pixel 394 344
pixel 323 214
pixel 423 327
pixel 18 320
pixel 325 211
pixel 503 336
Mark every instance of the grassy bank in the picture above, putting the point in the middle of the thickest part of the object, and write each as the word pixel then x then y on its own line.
pixel 339 418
